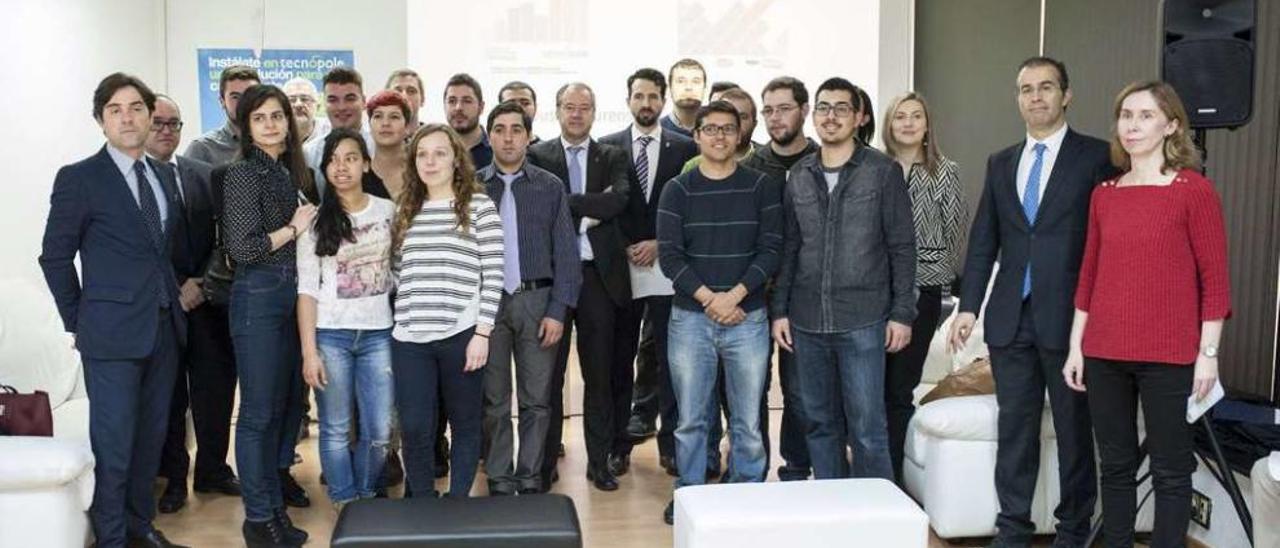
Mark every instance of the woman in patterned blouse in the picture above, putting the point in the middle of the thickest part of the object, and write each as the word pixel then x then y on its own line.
pixel 937 208
pixel 262 220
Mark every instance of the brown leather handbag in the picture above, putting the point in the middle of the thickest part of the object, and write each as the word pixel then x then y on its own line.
pixel 25 414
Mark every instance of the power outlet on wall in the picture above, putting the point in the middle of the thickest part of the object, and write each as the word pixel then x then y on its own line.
pixel 1201 508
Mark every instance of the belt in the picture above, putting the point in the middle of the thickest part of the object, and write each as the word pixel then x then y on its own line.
pixel 530 285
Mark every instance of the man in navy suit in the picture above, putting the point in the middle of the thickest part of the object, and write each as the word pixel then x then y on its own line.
pixel 1032 216
pixel 121 214
pixel 656 155
pixel 207 368
pixel 595 178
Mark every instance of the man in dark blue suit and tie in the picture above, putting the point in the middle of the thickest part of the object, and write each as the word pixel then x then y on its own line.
pixel 120 213
pixel 1032 216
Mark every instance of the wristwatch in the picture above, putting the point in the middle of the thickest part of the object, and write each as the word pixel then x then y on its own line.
pixel 1209 351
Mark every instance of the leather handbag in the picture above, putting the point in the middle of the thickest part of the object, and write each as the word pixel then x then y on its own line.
pixel 25 414
pixel 219 271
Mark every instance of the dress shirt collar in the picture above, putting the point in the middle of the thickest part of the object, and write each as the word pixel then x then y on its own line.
pixel 1052 143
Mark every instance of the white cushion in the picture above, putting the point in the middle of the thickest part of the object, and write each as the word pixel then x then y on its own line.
pixel 36 462
pixel 969 418
pixel 35 350
pixel 865 512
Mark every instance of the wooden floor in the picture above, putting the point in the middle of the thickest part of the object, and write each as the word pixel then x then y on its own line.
pixel 630 517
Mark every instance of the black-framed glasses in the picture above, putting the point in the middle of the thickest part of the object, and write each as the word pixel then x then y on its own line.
pixel 728 130
pixel 841 110
pixel 172 125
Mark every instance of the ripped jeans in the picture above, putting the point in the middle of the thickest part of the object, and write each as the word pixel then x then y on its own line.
pixel 357 364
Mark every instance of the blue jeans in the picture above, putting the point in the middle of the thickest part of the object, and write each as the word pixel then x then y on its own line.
pixel 264 331
pixel 425 373
pixel 357 364
pixel 695 344
pixel 844 372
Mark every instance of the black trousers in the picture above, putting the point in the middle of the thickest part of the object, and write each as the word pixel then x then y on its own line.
pixel 652 394
pixel 206 383
pixel 1115 388
pixel 902 372
pixel 607 373
pixel 1023 371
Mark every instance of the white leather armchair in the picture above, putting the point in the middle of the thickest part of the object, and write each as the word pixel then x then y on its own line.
pixel 46 484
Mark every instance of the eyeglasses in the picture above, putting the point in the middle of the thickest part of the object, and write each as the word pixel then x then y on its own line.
pixel 780 110
pixel 727 130
pixel 841 110
pixel 172 125
pixel 302 99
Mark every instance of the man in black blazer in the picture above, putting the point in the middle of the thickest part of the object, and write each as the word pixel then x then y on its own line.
pixel 1032 216
pixel 121 214
pixel 655 155
pixel 595 177
pixel 207 369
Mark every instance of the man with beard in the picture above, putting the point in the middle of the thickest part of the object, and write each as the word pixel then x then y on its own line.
pixel 302 98
pixel 688 83
pixel 463 104
pixel 407 82
pixel 656 155
pixel 595 177
pixel 786 105
pixel 846 286
pixel 523 94
pixel 220 146
pixel 207 365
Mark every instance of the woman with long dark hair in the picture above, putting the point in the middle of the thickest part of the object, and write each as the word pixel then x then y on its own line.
pixel 447 249
pixel 266 207
pixel 1152 298
pixel 344 320
pixel 937 209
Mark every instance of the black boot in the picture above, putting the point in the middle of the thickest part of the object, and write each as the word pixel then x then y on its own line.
pixel 292 534
pixel 265 534
pixel 294 495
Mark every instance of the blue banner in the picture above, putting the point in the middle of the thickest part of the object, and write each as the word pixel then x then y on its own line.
pixel 275 66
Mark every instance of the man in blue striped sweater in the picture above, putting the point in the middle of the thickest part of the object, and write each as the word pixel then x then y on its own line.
pixel 719 238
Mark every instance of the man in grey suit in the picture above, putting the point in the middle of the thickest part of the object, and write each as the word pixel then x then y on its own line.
pixel 206 370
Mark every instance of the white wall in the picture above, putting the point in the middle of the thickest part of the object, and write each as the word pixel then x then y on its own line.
pixel 56 51
pixel 748 42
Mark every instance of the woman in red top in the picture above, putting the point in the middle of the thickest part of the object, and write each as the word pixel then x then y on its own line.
pixel 1150 304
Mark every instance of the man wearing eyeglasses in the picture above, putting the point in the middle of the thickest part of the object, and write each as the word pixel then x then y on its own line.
pixel 718 242
pixel 845 292
pixel 302 98
pixel 207 365
pixel 785 103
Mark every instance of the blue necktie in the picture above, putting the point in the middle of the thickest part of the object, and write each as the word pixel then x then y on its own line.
pixel 642 164
pixel 510 238
pixel 575 170
pixel 151 214
pixel 1031 203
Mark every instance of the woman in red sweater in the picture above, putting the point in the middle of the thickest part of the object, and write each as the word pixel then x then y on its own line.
pixel 1150 304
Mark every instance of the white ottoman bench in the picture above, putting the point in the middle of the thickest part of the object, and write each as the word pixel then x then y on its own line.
pixel 799 514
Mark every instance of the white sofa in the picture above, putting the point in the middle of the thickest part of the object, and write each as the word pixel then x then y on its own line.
pixel 46 484
pixel 950 454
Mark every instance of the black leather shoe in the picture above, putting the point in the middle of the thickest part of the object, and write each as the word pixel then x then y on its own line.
pixel 601 478
pixel 154 539
pixel 619 465
pixel 292 534
pixel 669 514
pixel 173 499
pixel 265 534
pixel 229 486
pixel 294 495
pixel 638 430
pixel 669 464
pixel 530 491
